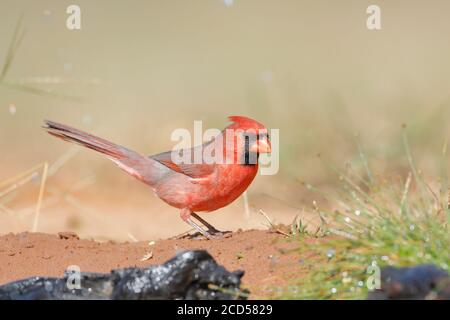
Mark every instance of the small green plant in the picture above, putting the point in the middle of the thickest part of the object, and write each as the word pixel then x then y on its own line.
pixel 375 222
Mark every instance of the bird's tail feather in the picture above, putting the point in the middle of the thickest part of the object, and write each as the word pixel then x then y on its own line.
pixel 85 139
pixel 128 160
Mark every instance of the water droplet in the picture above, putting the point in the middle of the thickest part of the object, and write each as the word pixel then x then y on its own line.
pixel 228 3
pixel 333 290
pixel 412 227
pixel 357 212
pixel 347 219
pixel 360 283
pixel 330 253
pixel 12 109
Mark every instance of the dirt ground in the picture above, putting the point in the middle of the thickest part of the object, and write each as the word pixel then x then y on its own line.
pixel 116 218
pixel 263 254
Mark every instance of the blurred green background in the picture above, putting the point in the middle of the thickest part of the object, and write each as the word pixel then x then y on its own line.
pixel 139 69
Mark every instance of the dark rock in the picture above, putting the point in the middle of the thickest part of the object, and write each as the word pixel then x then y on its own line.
pixel 418 282
pixel 189 275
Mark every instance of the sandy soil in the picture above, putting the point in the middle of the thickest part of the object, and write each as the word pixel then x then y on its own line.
pixel 262 254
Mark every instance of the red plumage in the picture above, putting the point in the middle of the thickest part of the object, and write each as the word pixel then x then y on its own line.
pixel 190 187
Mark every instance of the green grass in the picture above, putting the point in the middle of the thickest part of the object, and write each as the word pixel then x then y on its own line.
pixel 375 222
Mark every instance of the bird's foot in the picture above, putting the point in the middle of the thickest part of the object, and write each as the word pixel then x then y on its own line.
pixel 216 234
pixel 208 235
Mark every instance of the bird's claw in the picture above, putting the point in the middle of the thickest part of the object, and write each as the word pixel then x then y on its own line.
pixel 216 234
pixel 207 235
pixel 210 233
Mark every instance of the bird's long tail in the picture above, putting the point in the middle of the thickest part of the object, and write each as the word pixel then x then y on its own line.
pixel 130 161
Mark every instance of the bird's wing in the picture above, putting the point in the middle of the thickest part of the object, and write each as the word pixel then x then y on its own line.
pixel 192 170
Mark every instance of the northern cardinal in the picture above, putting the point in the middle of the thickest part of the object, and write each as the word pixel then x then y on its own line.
pixel 191 187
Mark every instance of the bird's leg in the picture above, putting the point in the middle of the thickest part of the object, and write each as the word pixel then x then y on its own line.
pixel 210 227
pixel 186 216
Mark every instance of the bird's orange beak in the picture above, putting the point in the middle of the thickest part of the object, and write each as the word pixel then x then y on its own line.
pixel 261 146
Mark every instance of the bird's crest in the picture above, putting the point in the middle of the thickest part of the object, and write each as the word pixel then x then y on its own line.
pixel 245 123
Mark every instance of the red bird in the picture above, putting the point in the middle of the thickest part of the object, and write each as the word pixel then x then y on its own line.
pixel 197 186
